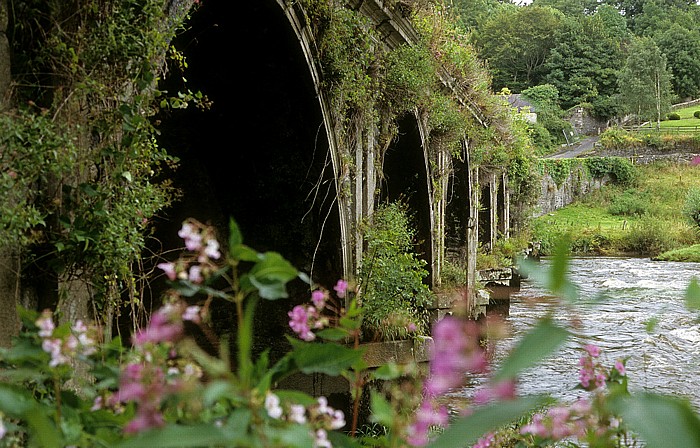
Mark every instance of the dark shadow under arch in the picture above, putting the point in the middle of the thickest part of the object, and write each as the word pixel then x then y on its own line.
pixel 260 154
pixel 405 179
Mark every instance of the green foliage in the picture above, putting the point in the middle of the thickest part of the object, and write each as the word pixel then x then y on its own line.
pixel 673 116
pixel 36 152
pixel 410 75
pixel 529 33
pixel 559 169
pixel 696 114
pixel 645 83
pixel 691 207
pixel 393 292
pixel 89 76
pixel 347 56
pixel 620 169
pixel 630 203
pixel 649 236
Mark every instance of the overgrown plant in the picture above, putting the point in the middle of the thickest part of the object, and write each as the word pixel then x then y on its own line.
pixel 394 295
pixel 79 149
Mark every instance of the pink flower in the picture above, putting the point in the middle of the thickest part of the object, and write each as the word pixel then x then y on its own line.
pixel 454 352
pixel 169 269
pixel 192 314
pixel 485 441
pixel 592 350
pixel 426 416
pixel 318 297
pixel 191 235
pixel 195 275
pixel 45 324
pixel 145 419
pixel 299 323
pixel 159 329
pixel 341 288
pixel 212 249
pixel 620 367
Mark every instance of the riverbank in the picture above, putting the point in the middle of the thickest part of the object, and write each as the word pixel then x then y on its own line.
pixel 644 219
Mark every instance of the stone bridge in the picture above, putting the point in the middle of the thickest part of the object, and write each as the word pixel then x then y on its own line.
pixel 301 180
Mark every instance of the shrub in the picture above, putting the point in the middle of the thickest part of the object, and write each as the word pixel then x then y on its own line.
pixel 691 208
pixel 674 116
pixel 391 277
pixel 616 138
pixel 649 237
pixel 630 203
pixel 696 114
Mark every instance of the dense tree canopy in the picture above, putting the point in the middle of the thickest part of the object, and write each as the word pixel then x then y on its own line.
pixel 516 43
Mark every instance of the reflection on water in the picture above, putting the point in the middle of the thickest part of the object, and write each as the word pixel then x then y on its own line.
pixel 619 298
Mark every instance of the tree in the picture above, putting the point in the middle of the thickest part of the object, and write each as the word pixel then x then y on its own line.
pixel 645 83
pixel 585 63
pixel 682 49
pixel 545 97
pixel 516 43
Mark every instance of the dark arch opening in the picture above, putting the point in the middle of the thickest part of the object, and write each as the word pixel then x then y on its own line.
pixel 260 153
pixel 405 179
pixel 457 215
pixel 485 216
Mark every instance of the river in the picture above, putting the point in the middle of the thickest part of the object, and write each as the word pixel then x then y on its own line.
pixel 619 298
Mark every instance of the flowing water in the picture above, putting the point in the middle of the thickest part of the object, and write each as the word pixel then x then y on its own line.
pixel 619 299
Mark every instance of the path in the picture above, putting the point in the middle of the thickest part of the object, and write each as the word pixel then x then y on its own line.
pixel 576 149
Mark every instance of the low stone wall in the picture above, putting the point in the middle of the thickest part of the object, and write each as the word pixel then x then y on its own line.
pixel 553 196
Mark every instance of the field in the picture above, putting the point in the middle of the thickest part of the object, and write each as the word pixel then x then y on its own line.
pixel 645 219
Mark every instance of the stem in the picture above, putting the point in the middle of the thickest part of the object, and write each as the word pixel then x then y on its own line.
pixel 57 392
pixel 358 389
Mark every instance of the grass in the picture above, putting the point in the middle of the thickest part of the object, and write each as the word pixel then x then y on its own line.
pixel 644 220
pixel 687 118
pixel 691 253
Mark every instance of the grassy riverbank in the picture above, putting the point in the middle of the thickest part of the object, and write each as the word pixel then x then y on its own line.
pixel 646 219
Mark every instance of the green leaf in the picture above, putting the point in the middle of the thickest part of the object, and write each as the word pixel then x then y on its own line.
pixel 242 252
pixel 332 334
pixel 14 401
pixel 467 430
pixel 273 290
pixel 692 295
pixel 234 235
pixel 176 436
pixel 127 175
pixel 661 421
pixel 291 436
pixel 270 276
pixel 536 345
pixel 382 411
pixel 43 431
pixel 331 359
pixel 389 371
pixel 217 390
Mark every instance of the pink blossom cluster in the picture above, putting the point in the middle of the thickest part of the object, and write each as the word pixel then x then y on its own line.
pixel 146 382
pixel 561 422
pixel 166 324
pixel 62 349
pixel 455 351
pixel 591 375
pixel 305 318
pixel 321 417
pixel 428 415
pixel 200 240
